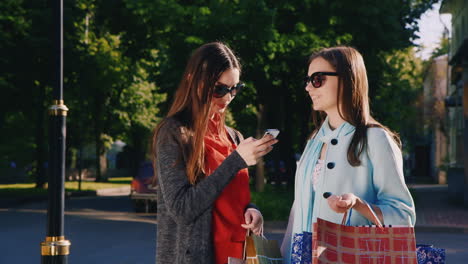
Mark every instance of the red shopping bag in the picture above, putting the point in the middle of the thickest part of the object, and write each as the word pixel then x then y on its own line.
pixel 335 243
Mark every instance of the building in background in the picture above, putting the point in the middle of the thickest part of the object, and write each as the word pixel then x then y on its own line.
pixel 457 100
pixel 435 121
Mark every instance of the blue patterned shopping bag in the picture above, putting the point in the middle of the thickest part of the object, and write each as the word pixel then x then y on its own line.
pixel 427 254
pixel 301 252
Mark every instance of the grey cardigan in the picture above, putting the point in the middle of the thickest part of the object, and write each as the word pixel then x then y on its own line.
pixel 184 210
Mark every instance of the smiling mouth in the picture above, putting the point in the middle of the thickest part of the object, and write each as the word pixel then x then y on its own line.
pixel 315 97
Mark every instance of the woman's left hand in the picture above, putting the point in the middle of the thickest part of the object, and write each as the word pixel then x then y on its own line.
pixel 253 221
pixel 342 203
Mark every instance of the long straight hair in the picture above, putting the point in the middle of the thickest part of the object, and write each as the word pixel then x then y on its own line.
pixel 192 102
pixel 352 97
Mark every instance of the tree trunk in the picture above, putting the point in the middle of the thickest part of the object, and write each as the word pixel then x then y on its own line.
pixel 98 161
pixel 260 168
pixel 101 160
pixel 40 140
pixel 80 164
pixel 103 165
pixel 289 136
pixel 139 150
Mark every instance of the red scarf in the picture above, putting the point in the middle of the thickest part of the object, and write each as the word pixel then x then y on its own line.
pixel 228 211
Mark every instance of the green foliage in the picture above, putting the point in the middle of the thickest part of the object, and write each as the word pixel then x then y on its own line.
pixel 124 59
pixel 17 133
pixel 23 190
pixel 274 202
pixel 137 103
pixel 25 83
pixel 395 102
pixel 443 47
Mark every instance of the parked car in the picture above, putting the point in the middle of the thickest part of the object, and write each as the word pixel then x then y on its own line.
pixel 142 193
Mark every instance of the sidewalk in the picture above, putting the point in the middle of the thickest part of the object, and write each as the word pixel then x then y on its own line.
pixel 13 202
pixel 434 212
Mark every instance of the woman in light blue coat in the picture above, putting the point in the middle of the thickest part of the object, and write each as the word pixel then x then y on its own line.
pixel 350 155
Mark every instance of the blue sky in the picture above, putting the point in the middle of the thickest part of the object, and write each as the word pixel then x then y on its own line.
pixel 431 27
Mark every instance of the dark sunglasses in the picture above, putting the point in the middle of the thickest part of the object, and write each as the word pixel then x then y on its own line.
pixel 317 78
pixel 221 90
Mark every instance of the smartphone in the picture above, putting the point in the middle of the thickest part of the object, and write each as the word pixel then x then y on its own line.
pixel 273 132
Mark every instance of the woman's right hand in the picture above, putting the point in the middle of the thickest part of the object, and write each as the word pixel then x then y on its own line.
pixel 252 149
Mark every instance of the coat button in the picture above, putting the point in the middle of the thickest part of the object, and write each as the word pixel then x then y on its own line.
pixel 334 141
pixel 331 165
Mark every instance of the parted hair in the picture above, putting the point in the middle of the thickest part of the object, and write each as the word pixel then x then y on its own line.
pixel 353 99
pixel 192 102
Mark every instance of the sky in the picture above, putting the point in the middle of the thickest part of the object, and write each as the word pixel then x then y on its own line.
pixel 430 30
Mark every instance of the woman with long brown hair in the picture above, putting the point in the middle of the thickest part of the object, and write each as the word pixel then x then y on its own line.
pixel 201 164
pixel 350 163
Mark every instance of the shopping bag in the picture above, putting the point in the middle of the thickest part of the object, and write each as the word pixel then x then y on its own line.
pixel 301 250
pixel 427 254
pixel 339 243
pixel 232 260
pixel 259 250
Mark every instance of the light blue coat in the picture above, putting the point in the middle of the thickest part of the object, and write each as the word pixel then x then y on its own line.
pixel 378 180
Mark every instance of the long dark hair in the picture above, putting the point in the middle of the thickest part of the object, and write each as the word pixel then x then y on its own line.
pixel 352 97
pixel 192 101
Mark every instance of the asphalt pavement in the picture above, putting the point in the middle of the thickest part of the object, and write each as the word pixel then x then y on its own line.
pixel 105 229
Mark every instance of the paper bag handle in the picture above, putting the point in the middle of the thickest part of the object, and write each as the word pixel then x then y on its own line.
pixel 374 217
pixel 244 253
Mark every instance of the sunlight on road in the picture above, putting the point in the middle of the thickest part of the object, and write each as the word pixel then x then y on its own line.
pixel 149 218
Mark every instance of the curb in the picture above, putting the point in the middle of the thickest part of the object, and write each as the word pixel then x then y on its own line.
pixel 277 227
pixel 121 191
pixel 11 202
pixel 441 229
pixel 421 188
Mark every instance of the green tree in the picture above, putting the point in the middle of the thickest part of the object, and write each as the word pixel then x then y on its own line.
pixel 110 90
pixel 139 113
pixel 400 87
pixel 443 47
pixel 25 79
pixel 274 39
pixel 97 73
pixel 123 56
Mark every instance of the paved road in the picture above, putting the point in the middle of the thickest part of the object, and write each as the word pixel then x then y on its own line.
pixel 104 230
pixel 101 229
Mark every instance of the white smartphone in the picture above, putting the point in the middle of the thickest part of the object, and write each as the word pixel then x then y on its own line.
pixel 272 131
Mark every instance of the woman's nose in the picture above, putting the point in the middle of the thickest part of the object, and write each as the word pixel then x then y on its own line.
pixel 228 97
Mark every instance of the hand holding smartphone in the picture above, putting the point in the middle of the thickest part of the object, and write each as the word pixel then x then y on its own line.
pixel 271 131
pixel 252 149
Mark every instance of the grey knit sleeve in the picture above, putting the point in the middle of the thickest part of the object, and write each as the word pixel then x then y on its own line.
pixel 184 201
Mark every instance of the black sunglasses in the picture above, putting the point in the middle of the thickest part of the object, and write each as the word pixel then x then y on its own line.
pixel 317 78
pixel 221 90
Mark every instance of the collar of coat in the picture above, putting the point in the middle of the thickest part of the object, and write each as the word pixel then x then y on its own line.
pixel 326 134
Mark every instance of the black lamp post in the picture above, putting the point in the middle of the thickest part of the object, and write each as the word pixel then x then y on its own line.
pixel 55 249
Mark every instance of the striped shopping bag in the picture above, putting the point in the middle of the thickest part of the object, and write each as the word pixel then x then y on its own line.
pixel 259 250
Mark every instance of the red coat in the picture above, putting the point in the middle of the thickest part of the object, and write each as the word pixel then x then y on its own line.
pixel 229 208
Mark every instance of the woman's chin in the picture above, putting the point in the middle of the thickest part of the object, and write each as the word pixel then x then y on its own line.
pixel 220 110
pixel 316 108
